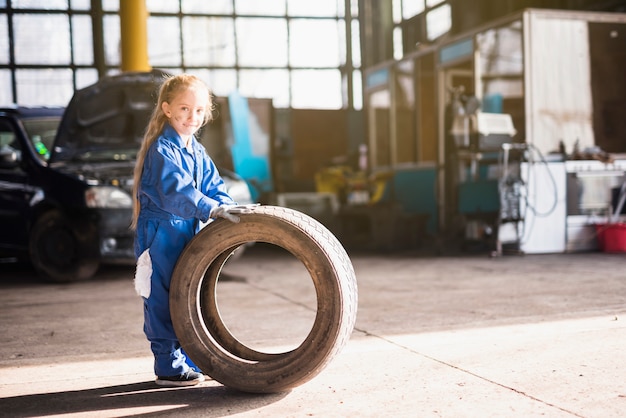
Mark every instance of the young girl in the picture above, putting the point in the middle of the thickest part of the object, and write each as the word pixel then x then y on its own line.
pixel 176 185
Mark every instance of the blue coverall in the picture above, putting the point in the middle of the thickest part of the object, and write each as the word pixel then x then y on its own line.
pixel 177 189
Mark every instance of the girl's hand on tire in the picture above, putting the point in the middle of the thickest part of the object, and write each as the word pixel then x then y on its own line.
pixel 230 212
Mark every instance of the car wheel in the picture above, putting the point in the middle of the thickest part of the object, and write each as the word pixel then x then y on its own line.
pixel 207 340
pixel 62 251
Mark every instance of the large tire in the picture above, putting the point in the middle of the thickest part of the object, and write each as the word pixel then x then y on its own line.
pixel 61 250
pixel 205 337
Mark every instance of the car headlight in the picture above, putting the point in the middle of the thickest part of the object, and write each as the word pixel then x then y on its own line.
pixel 107 197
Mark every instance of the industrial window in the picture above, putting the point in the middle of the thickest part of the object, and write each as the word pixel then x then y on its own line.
pixel 428 20
pixel 298 53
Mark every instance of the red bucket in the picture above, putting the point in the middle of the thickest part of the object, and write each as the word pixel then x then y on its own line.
pixel 611 237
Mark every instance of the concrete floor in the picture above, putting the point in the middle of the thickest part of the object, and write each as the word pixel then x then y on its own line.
pixel 468 336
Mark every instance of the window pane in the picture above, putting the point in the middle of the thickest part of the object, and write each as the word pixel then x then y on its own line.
pixel 164 46
pixel 262 42
pixel 6 97
pixel 220 82
pixel 42 39
pixel 209 7
pixel 398 51
pixel 161 6
pixel 40 4
pixel 356 44
pixel 111 5
pixel 82 40
pixel 316 89
pixel 341 8
pixel 354 8
pixel 86 77
pixel 4 40
pixel 321 50
pixel 396 10
pixel 44 87
pixel 272 84
pixel 80 4
pixel 357 87
pixel 323 8
pixel 438 22
pixel 411 8
pixel 209 41
pixel 112 40
pixel 260 7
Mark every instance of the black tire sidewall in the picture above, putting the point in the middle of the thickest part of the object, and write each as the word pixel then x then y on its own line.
pixel 81 261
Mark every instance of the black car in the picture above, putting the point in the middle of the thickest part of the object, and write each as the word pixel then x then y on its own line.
pixel 66 176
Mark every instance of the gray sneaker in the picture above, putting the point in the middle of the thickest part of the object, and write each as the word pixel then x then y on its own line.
pixel 190 378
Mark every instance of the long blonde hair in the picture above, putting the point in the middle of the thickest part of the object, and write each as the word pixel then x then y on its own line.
pixel 171 87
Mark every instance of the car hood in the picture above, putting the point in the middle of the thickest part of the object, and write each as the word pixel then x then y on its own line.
pixel 106 121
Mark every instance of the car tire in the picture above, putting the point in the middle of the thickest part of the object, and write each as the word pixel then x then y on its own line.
pixel 63 251
pixel 201 330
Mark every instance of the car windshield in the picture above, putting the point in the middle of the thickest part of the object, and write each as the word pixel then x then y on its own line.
pixel 42 132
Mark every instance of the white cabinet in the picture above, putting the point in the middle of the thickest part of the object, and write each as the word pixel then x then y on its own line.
pixel 544 208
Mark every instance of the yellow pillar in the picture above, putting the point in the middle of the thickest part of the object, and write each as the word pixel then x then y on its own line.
pixel 134 23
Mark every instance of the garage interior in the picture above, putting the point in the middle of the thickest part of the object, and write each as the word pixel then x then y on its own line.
pixel 392 140
pixel 470 156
